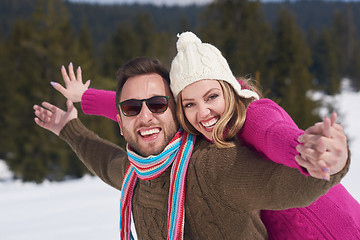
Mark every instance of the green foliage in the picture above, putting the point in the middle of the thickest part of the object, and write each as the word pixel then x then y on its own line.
pixel 239 29
pixel 89 65
pixel 131 40
pixel 34 51
pixel 355 69
pixel 292 79
pixel 123 46
pixel 326 64
pixel 346 37
pixel 267 41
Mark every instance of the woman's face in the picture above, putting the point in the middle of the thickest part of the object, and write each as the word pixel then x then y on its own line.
pixel 203 103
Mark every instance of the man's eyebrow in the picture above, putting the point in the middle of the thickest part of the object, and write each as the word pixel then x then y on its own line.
pixel 211 89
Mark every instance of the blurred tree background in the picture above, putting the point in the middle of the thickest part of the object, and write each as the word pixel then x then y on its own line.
pixel 289 48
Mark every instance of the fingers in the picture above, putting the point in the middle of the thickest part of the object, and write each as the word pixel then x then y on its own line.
pixel 78 74
pixel 45 112
pixel 312 169
pixel 333 118
pixel 42 109
pixel 324 147
pixel 71 76
pixel 49 106
pixel 59 88
pixel 39 122
pixel 325 152
pixel 304 163
pixel 65 75
pixel 312 156
pixel 315 129
pixel 71 72
pixel 323 127
pixel 339 128
pixel 42 114
pixel 330 136
pixel 87 84
pixel 309 151
pixel 316 141
pixel 326 126
pixel 330 162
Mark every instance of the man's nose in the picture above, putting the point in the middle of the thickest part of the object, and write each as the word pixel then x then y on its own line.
pixel 145 114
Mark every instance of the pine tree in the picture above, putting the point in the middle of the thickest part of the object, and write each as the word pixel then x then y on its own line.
pixel 239 30
pixel 355 68
pixel 145 30
pixel 85 57
pixel 153 43
pixel 345 36
pixel 36 49
pixel 133 39
pixel 85 51
pixel 292 79
pixel 5 95
pixel 326 64
pixel 123 46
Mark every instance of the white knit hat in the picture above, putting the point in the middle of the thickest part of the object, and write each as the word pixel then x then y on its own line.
pixel 197 61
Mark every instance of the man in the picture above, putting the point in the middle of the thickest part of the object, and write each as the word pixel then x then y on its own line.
pixel 225 189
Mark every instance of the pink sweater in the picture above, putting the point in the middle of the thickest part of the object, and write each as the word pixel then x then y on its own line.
pixel 271 132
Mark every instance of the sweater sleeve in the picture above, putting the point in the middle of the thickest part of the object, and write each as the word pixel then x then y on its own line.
pixel 103 158
pixel 270 131
pixel 99 102
pixel 240 179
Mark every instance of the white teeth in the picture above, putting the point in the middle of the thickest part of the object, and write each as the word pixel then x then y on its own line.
pixel 149 132
pixel 210 123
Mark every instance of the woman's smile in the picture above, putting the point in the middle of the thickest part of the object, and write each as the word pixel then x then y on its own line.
pixel 210 123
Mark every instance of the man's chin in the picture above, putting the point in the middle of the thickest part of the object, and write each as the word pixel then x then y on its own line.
pixel 149 153
pixel 150 149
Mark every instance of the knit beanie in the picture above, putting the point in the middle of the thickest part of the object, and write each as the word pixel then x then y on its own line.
pixel 197 61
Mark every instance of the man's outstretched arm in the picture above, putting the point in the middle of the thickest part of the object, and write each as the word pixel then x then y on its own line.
pixel 103 158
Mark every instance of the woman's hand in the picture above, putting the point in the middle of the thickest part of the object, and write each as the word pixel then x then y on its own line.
pixel 324 151
pixel 74 87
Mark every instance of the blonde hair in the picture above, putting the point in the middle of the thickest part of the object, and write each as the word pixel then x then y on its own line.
pixel 231 120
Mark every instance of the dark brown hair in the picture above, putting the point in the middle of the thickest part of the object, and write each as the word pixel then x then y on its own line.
pixel 138 66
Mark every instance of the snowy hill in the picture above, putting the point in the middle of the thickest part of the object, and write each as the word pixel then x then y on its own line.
pixel 89 209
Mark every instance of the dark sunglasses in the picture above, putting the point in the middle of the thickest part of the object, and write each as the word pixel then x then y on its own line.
pixel 132 107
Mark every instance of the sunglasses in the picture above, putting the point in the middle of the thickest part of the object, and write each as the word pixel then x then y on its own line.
pixel 132 107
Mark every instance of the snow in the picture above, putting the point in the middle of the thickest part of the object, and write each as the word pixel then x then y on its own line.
pixel 87 208
pixel 78 209
pixel 346 105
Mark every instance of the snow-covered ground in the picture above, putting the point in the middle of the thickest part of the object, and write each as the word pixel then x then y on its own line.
pixel 89 209
pixel 76 209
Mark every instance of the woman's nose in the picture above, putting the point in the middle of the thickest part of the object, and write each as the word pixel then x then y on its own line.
pixel 203 111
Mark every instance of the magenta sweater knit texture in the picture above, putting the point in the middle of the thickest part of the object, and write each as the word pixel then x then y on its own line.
pixel 271 132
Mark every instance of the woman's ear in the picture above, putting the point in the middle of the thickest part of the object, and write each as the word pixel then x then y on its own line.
pixel 119 122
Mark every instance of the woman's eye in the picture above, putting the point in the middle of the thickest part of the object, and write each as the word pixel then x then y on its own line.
pixel 188 105
pixel 212 97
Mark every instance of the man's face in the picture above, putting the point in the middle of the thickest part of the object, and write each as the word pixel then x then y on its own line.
pixel 148 133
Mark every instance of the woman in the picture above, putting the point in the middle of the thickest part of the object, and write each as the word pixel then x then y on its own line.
pixel 333 216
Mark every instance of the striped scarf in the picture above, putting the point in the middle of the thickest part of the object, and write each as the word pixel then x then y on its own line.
pixel 178 153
